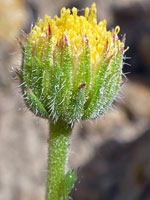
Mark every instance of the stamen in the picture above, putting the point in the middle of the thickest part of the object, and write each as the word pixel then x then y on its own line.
pixel 86 12
pixel 117 29
pixel 49 30
pixel 74 11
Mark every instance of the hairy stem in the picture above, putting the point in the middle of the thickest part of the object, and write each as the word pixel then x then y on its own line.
pixel 57 158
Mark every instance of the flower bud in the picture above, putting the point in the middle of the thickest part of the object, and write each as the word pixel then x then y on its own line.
pixel 72 66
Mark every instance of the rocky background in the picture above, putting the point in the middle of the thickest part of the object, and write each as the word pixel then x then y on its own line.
pixel 111 155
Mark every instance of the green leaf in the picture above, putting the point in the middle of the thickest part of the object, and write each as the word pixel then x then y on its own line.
pixel 66 78
pixel 47 64
pixel 34 104
pixel 83 71
pixel 77 104
pixel 37 77
pixel 110 88
pixel 81 85
pixel 55 86
pixel 97 84
pixel 67 184
pixel 28 62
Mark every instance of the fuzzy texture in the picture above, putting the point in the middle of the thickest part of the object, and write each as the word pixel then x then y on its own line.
pixel 72 67
pixel 59 140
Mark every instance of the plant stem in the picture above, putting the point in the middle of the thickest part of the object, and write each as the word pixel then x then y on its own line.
pixel 57 158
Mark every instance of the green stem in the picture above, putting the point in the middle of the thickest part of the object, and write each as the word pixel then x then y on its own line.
pixel 57 158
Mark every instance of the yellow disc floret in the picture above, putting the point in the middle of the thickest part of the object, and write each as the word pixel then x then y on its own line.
pixel 76 28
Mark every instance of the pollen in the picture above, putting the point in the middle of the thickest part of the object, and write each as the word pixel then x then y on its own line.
pixel 76 28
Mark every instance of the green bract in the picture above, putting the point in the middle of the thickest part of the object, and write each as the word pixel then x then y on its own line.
pixel 53 89
pixel 71 67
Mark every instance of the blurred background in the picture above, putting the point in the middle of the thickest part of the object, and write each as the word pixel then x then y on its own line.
pixel 111 155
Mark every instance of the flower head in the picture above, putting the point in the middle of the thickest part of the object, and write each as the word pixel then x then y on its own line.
pixel 78 30
pixel 72 66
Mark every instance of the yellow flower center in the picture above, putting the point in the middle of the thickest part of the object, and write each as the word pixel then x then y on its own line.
pixel 76 28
